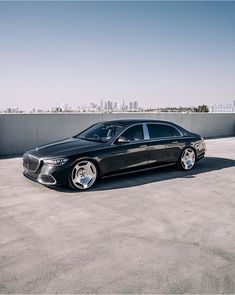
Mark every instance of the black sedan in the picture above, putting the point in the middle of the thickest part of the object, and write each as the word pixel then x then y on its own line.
pixel 111 148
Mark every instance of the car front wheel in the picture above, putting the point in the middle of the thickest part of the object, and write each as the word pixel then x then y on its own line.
pixel 83 175
pixel 187 159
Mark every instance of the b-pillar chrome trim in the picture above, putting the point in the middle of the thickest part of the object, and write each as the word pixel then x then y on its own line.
pixel 146 132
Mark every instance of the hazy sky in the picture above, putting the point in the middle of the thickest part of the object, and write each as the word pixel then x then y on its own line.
pixel 159 53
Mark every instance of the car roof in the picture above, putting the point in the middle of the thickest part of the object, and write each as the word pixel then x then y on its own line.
pixel 136 121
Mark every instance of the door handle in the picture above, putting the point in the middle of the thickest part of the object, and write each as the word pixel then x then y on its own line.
pixel 144 145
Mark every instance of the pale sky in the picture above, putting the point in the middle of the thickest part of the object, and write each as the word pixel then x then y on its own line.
pixel 159 53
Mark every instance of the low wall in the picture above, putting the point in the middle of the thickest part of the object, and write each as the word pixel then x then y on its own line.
pixel 20 132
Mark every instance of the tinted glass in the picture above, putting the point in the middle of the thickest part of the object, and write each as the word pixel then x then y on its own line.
pixel 161 130
pixel 102 132
pixel 134 133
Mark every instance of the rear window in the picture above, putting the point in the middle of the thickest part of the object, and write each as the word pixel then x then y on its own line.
pixel 162 130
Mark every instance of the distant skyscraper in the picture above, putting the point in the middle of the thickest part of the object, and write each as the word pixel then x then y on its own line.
pixel 110 106
pixel 136 106
pixel 123 103
pixel 102 104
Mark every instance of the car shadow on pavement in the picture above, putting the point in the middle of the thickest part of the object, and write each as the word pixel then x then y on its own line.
pixel 208 164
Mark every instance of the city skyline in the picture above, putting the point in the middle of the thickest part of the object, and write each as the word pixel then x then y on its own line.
pixel 158 53
pixel 124 106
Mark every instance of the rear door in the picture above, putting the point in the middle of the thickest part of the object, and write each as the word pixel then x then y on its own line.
pixel 165 143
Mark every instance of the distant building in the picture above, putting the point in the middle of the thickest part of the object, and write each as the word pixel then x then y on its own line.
pixel 136 106
pixel 102 104
pixel 221 108
pixel 92 105
pixel 123 104
pixel 110 106
pixel 64 107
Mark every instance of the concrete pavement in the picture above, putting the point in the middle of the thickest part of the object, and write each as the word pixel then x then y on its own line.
pixel 162 231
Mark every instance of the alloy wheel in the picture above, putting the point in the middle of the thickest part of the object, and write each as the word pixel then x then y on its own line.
pixel 188 159
pixel 83 175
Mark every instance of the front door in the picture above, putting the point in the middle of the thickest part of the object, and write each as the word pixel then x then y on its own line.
pixel 129 151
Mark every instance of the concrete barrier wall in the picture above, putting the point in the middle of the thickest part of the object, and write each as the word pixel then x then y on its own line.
pixel 20 132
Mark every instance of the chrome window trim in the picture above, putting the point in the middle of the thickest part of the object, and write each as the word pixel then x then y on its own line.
pixel 146 133
pixel 163 138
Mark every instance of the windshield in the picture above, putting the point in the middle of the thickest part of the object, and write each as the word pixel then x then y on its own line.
pixel 101 132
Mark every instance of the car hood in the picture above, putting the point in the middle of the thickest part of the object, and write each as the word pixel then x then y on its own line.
pixel 67 147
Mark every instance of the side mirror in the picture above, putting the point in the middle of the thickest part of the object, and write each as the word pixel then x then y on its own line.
pixel 122 140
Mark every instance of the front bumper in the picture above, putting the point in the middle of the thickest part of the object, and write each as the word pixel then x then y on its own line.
pixel 48 175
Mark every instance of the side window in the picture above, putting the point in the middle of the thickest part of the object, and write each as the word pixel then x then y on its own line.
pixel 134 133
pixel 161 130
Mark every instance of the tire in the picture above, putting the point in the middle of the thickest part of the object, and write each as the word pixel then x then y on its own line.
pixel 187 159
pixel 83 175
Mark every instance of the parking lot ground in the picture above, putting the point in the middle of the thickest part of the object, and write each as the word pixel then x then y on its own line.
pixel 161 231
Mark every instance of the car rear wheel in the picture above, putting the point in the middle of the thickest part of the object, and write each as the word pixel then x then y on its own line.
pixel 187 159
pixel 83 175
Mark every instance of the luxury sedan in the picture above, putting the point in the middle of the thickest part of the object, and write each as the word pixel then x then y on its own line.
pixel 111 148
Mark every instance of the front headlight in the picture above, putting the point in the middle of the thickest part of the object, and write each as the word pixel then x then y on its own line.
pixel 55 162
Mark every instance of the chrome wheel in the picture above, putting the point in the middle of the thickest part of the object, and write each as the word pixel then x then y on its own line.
pixel 187 160
pixel 83 174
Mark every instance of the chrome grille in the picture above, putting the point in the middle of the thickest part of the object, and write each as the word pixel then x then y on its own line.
pixel 31 163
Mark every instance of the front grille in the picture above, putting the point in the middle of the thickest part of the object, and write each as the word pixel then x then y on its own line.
pixel 30 162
